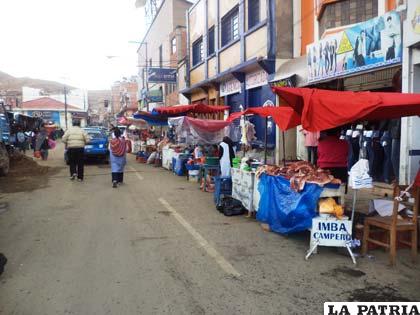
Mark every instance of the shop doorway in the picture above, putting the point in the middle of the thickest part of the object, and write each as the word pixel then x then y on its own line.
pixel 256 98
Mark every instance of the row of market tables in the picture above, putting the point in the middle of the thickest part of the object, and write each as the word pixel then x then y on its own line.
pixel 246 187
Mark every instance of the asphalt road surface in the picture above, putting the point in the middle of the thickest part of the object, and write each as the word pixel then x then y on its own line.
pixel 156 245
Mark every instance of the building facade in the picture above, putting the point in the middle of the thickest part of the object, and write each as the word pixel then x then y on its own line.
pixel 161 50
pixel 98 103
pixel 410 126
pixel 232 50
pixel 344 45
pixel 124 97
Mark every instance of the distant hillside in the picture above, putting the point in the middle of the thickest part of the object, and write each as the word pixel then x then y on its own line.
pixel 8 82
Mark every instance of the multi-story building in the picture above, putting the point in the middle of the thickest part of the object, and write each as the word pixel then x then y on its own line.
pixel 124 100
pixel 410 139
pixel 233 47
pixel 51 110
pixel 160 51
pixel 99 102
pixel 345 45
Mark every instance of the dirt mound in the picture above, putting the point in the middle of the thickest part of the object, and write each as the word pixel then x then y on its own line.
pixel 25 175
pixel 21 165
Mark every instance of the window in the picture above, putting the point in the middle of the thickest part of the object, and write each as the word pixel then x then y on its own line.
pixel 347 12
pixel 253 13
pixel 230 27
pixel 198 52
pixel 160 56
pixel 210 43
pixel 170 88
pixel 173 45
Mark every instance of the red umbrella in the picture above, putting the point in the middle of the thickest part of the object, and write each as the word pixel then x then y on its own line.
pixel 326 109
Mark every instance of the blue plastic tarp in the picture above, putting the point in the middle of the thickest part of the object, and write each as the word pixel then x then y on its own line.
pixel 152 120
pixel 283 209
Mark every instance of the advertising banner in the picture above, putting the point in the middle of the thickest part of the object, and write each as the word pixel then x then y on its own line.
pixel 372 44
pixel 161 75
pixel 155 96
pixel 412 29
pixel 256 79
pixel 230 87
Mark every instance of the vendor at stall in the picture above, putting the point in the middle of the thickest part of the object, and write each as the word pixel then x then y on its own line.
pixel 332 154
pixel 226 156
pixel 198 152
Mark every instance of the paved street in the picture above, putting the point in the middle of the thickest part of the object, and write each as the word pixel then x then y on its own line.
pixel 156 245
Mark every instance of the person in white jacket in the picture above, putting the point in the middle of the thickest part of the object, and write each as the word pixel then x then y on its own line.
pixel 75 139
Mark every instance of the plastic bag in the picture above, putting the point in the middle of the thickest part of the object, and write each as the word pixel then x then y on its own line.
pixel 359 175
pixel 37 154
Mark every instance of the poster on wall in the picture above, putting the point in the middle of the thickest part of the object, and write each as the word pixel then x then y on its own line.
pixel 372 44
pixel 412 28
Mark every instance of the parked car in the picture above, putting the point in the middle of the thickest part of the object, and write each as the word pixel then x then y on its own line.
pixel 98 146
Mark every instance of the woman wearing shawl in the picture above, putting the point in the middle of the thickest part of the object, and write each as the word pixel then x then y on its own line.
pixel 117 153
pixel 41 143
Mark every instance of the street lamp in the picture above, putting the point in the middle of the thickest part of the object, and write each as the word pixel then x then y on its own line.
pixel 65 106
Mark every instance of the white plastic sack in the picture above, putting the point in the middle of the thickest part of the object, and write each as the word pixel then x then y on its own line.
pixel 151 159
pixel 359 175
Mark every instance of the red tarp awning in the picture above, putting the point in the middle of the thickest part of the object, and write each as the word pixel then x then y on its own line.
pixel 209 125
pixel 326 109
pixel 123 121
pixel 284 117
pixel 193 108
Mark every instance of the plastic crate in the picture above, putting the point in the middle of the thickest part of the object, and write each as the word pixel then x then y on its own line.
pixel 223 186
pixel 192 167
pixel 179 166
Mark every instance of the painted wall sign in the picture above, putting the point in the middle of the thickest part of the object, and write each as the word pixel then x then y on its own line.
pixel 155 96
pixel 412 27
pixel 230 87
pixel 79 115
pixel 286 82
pixel 331 232
pixel 46 115
pixel 256 79
pixel 368 45
pixel 161 75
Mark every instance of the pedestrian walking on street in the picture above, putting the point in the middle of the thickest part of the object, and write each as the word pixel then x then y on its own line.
pixel 117 153
pixel 41 144
pixel 21 140
pixel 75 139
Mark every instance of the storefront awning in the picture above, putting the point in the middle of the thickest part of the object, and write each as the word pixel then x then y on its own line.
pixel 284 117
pixel 326 109
pixel 182 110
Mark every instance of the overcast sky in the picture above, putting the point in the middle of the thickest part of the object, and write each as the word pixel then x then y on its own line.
pixel 55 39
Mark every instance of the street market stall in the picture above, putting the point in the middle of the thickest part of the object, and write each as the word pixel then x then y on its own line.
pixel 325 109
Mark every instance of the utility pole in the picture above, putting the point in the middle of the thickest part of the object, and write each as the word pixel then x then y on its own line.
pixel 147 81
pixel 65 106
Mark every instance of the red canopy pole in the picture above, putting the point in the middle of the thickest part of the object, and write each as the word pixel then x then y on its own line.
pixel 265 140
pixel 284 148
